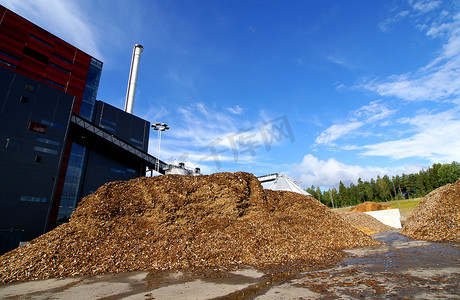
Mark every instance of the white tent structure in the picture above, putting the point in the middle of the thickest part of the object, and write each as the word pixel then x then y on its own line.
pixel 281 182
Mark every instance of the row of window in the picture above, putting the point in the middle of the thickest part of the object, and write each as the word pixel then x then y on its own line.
pixel 122 171
pixel 42 126
pixel 33 199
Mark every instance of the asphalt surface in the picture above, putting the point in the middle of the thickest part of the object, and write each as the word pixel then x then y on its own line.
pixel 402 268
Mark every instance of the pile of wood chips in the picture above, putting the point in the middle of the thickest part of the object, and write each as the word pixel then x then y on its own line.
pixel 177 222
pixel 369 206
pixel 437 217
pixel 364 222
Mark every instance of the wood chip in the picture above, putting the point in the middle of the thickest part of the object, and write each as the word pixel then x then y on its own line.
pixel 177 222
pixel 437 217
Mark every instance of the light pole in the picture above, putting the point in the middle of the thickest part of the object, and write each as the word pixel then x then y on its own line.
pixel 159 127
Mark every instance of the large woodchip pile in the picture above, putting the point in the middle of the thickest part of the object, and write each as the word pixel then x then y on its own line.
pixel 364 222
pixel 369 206
pixel 185 222
pixel 437 217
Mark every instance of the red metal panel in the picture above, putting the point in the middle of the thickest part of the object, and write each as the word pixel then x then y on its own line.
pixel 33 66
pixel 16 23
pixel 60 63
pixel 43 35
pixel 79 73
pixel 9 36
pixel 57 75
pixel 83 59
pixel 11 47
pixel 8 60
pixel 75 91
pixel 64 50
pixel 39 47
pixel 77 81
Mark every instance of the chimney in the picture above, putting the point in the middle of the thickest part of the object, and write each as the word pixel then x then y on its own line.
pixel 133 78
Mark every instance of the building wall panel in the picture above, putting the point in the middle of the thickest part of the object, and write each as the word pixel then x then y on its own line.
pixel 30 160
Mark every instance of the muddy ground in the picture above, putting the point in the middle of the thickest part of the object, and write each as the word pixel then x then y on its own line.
pixel 402 268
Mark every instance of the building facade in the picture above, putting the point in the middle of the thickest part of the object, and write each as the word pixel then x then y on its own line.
pixel 59 143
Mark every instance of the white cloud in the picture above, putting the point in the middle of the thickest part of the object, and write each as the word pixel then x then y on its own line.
pixel 365 115
pixel 439 79
pixel 339 61
pixel 211 137
pixel 336 131
pixel 65 19
pixel 237 110
pixel 328 174
pixel 425 6
pixel 384 26
pixel 436 138
pixel 181 79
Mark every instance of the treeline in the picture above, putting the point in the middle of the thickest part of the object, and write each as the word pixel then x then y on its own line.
pixel 387 189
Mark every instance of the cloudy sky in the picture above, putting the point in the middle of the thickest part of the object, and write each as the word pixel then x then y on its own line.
pixel 322 90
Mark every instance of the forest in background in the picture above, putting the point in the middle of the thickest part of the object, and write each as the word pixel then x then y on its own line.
pixel 386 189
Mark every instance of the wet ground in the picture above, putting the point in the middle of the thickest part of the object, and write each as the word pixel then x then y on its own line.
pixel 400 269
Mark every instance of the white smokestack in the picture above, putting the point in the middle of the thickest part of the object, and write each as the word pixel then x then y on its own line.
pixel 133 78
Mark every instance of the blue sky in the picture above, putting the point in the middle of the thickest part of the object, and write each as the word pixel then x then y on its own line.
pixel 322 90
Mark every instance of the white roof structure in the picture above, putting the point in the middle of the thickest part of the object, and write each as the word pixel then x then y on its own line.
pixel 284 183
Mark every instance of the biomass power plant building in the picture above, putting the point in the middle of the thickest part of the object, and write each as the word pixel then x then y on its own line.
pixel 58 143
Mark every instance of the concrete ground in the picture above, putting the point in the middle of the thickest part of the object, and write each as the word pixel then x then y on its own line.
pixel 400 269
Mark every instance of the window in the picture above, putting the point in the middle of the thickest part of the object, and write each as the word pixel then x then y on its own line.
pixel 61 58
pixel 9 55
pixel 60 68
pixel 117 171
pixel 37 127
pixel 7 63
pixel 38 158
pixel 130 170
pixel 29 88
pixel 35 54
pixel 45 150
pixel 54 83
pixel 33 199
pixel 40 40
pixel 47 141
pixel 24 99
pixel 55 125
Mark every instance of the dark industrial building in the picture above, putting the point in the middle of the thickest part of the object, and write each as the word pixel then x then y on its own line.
pixel 59 143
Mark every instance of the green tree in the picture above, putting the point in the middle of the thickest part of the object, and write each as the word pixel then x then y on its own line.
pixel 383 189
pixel 326 199
pixel 344 198
pixel 318 193
pixel 312 192
pixel 433 177
pixel 411 185
pixel 330 198
pixel 449 173
pixel 420 181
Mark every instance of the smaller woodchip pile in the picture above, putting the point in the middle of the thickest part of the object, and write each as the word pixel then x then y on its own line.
pixel 437 217
pixel 185 222
pixel 369 206
pixel 365 223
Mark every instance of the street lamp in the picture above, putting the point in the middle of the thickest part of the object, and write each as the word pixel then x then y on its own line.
pixel 159 127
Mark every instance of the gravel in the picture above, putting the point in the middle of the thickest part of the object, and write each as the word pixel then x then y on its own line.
pixel 437 217
pixel 174 222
